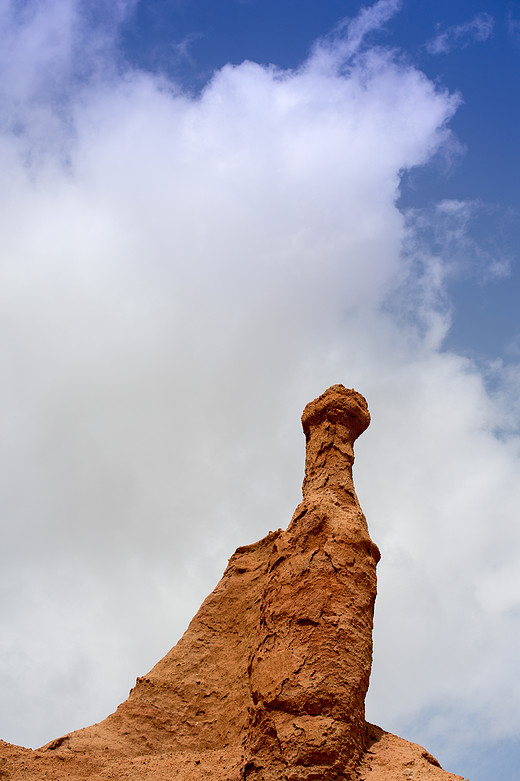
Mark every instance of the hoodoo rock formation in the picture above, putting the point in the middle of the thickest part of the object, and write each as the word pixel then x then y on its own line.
pixel 310 659
pixel 269 681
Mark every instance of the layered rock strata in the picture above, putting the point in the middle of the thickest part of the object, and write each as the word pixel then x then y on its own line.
pixel 268 683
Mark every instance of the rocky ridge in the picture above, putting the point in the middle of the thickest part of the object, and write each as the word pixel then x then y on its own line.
pixel 269 681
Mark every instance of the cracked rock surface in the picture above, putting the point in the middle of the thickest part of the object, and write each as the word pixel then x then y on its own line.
pixel 269 681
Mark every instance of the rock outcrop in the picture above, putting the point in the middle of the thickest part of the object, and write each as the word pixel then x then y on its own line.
pixel 269 681
pixel 311 654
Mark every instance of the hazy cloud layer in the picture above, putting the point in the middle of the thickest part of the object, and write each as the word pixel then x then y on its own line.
pixel 458 36
pixel 513 28
pixel 179 276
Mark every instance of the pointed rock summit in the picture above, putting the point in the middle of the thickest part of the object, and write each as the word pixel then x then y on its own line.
pixel 269 681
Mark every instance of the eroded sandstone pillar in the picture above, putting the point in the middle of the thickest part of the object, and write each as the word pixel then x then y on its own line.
pixel 310 662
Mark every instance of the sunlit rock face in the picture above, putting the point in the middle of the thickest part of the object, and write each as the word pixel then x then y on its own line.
pixel 311 655
pixel 269 681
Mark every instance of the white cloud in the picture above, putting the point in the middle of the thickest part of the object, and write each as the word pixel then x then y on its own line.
pixel 173 290
pixel 350 35
pixel 458 36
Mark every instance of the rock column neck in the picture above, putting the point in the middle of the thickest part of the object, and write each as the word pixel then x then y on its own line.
pixel 331 424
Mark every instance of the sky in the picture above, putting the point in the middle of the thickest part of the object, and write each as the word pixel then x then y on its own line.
pixel 210 212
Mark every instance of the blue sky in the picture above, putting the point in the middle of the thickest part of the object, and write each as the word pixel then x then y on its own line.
pixel 210 212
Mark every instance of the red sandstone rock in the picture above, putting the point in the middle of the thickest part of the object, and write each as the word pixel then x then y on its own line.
pixel 269 681
pixel 311 656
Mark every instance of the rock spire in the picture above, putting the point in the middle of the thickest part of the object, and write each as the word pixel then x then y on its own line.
pixel 311 656
pixel 269 681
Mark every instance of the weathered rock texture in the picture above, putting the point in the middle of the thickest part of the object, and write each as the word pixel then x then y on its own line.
pixel 310 659
pixel 269 681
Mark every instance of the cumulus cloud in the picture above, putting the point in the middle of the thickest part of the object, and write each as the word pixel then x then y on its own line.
pixel 458 36
pixel 174 288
